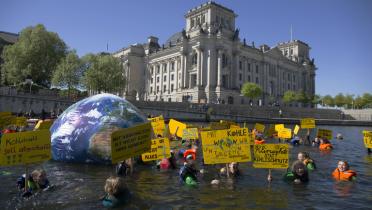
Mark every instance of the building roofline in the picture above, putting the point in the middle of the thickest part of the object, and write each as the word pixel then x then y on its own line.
pixel 205 5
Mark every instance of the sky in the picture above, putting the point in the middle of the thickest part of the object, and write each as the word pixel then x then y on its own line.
pixel 339 32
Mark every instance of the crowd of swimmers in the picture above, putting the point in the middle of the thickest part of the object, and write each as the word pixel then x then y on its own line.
pixel 117 192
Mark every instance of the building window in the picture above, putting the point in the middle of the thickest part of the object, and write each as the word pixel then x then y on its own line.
pixel 249 67
pixel 194 59
pixel 224 60
pixel 240 65
pixel 257 69
pixel 165 78
pixel 157 79
pixel 157 69
pixel 240 77
pixel 172 87
pixel 249 78
pixel 151 90
pixel 165 68
pixel 203 18
pixel 240 86
pixel 152 80
pixel 172 66
pixel 193 80
pixel 169 100
pixel 289 86
pixel 192 22
pixel 224 81
pixel 172 77
pixel 152 70
pixel 257 80
pixel 157 89
pixel 291 52
pixel 164 88
pixel 294 78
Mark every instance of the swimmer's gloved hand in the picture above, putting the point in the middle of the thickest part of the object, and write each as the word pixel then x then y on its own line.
pixel 26 194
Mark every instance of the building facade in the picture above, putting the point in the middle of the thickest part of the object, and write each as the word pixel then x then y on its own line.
pixel 207 62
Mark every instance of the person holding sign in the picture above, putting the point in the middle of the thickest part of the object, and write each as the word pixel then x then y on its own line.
pixel 116 192
pixel 305 158
pixel 36 181
pixel 343 173
pixel 325 144
pixel 188 172
pixel 298 174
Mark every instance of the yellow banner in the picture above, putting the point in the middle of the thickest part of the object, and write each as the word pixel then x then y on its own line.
pixel 5 114
pixel 259 127
pixel 6 120
pixel 271 156
pixel 367 138
pixel 285 133
pixel 25 147
pixel 296 129
pixel 308 123
pixel 129 142
pixel 176 128
pixel 158 125
pixel 225 146
pixel 20 121
pixel 234 126
pixel 159 149
pixel 324 133
pixel 278 127
pixel 190 133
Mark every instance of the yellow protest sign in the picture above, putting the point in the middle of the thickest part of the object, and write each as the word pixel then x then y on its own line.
pixel 176 128
pixel 296 129
pixel 6 120
pixel 307 123
pixel 159 149
pixel 5 114
pixel 259 127
pixel 271 156
pixel 20 121
pixel 225 146
pixel 25 147
pixel 43 124
pixel 324 133
pixel 190 133
pixel 285 133
pixel 234 126
pixel 278 127
pixel 158 125
pixel 271 131
pixel 367 138
pixel 219 126
pixel 129 142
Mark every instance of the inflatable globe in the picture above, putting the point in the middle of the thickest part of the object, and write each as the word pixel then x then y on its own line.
pixel 82 133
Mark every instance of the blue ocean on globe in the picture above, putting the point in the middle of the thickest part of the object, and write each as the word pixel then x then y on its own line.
pixel 82 133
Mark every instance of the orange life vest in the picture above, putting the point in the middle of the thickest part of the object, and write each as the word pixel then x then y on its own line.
pixel 190 152
pixel 326 146
pixel 259 141
pixel 343 176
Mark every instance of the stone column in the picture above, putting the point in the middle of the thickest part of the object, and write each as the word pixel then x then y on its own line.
pixel 169 73
pixel 201 66
pixel 176 74
pixel 209 69
pixel 181 70
pixel 219 68
pixel 161 79
pixel 198 68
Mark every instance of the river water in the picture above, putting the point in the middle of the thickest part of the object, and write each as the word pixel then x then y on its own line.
pixel 79 186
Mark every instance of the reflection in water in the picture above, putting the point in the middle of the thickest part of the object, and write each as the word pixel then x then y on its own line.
pixel 79 186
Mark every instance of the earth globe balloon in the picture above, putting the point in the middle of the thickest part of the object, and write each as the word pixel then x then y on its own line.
pixel 82 133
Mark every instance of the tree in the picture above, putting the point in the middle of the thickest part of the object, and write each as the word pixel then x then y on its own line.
pixel 301 97
pixel 367 100
pixel 36 54
pixel 251 90
pixel 328 100
pixel 316 99
pixel 104 73
pixel 348 100
pixel 339 100
pixel 68 72
pixel 289 96
pixel 358 102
